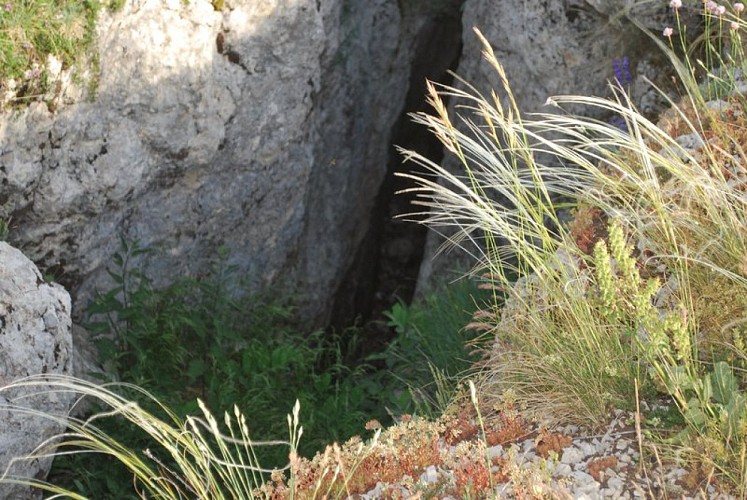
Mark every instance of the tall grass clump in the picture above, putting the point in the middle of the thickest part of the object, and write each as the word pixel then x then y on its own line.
pixel 646 284
pixel 192 457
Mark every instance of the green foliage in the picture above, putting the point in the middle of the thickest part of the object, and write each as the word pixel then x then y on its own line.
pixel 577 305
pixel 116 5
pixel 432 347
pixel 714 407
pixel 207 338
pixel 201 338
pixel 31 30
pixel 578 331
pixel 4 229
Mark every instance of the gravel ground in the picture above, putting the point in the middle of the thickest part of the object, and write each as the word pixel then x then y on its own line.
pixel 585 466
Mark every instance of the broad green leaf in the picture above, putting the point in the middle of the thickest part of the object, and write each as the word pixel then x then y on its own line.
pixel 724 383
pixel 196 369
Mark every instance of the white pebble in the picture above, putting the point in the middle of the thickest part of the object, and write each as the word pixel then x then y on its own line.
pixel 495 451
pixel 622 444
pixel 587 449
pixel 615 483
pixel 430 475
pixel 590 489
pixel 572 456
pixel 583 477
pixel 562 470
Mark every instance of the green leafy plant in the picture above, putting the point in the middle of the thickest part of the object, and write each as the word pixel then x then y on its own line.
pixel 4 229
pixel 150 335
pixel 205 338
pixel 31 31
pixel 432 348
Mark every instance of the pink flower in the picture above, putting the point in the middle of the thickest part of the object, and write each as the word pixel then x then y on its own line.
pixel 668 32
pixel 734 25
pixel 711 6
pixel 738 7
pixel 675 4
pixel 720 10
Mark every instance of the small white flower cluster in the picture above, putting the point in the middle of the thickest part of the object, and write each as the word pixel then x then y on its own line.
pixel 715 8
pixel 711 7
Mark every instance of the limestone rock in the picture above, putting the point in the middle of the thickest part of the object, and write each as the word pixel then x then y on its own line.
pixel 35 338
pixel 263 127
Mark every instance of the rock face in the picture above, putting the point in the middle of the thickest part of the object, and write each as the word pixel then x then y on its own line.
pixel 263 127
pixel 35 338
pixel 551 48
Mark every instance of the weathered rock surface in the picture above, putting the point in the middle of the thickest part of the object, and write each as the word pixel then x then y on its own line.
pixel 35 338
pixel 263 128
pixel 549 48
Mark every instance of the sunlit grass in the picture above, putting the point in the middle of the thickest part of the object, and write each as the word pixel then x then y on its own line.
pixel 194 457
pixel 579 327
pixel 30 31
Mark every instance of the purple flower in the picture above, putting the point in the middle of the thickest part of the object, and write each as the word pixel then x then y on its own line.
pixel 619 123
pixel 622 71
pixel 7 7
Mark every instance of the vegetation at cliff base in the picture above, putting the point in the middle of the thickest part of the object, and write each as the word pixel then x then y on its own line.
pixel 208 338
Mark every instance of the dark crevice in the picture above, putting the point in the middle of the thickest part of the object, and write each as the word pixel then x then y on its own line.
pixel 387 262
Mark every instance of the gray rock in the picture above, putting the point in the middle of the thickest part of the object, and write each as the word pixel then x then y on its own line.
pixel 615 483
pixel 583 478
pixel 586 448
pixel 430 475
pixel 622 444
pixel 586 487
pixel 35 338
pixel 263 128
pixel 374 493
pixel 572 456
pixel 495 451
pixel 561 470
pixel 690 141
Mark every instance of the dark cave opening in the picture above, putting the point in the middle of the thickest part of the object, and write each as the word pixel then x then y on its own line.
pixel 387 263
